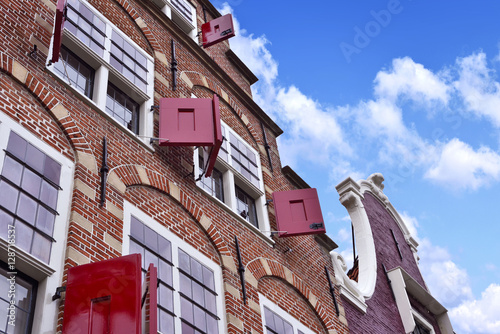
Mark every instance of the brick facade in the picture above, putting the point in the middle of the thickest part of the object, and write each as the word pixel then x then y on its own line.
pixel 156 179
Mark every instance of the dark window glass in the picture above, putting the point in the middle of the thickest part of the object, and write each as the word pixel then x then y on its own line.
pixel 245 206
pixel 244 160
pixel 86 26
pixel 213 184
pixel 25 296
pixel 128 61
pixel 76 71
pixel 29 187
pixel 122 108
pixel 276 324
pixel 420 329
pixel 147 242
pixel 184 8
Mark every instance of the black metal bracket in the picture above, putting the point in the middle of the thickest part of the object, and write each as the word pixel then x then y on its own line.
pixel 388 281
pixel 332 291
pixel 34 52
pixel 57 295
pixel 174 66
pixel 104 170
pixel 154 107
pixel 397 244
pixel 143 299
pixel 316 226
pixel 268 202
pixel 241 270
pixel 266 146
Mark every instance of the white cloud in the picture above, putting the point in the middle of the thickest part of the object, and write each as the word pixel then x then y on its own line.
pixel 480 92
pixel 479 316
pixel 411 223
pixel 459 166
pixel 448 282
pixel 411 80
pixel 343 235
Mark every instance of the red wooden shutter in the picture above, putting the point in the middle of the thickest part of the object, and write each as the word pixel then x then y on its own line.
pixel 104 297
pixel 153 299
pixel 218 138
pixel 298 212
pixel 186 122
pixel 217 30
pixel 58 30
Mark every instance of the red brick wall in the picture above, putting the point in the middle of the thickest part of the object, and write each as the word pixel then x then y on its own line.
pixel 32 100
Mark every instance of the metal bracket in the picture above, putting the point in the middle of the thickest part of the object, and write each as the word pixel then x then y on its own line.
pixel 397 244
pixel 268 202
pixel 332 291
pixel 57 295
pixel 241 270
pixel 104 170
pixel 316 226
pixel 154 107
pixel 174 66
pixel 34 52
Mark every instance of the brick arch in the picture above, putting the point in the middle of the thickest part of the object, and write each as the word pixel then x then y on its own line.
pixel 49 101
pixel 192 79
pixel 262 267
pixel 124 176
pixel 148 34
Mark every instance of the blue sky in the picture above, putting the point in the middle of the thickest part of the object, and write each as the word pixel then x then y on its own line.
pixel 406 88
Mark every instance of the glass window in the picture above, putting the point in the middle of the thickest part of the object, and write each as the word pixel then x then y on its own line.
pixel 85 25
pixel 184 8
pixel 275 324
pixel 244 160
pixel 245 206
pixel 76 71
pixel 213 184
pixel 25 296
pixel 198 304
pixel 122 108
pixel 29 189
pixel 420 329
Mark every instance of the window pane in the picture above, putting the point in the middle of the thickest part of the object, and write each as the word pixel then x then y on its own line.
pixel 52 170
pixel 31 182
pixel 12 170
pixel 166 322
pixel 165 297
pixel 17 145
pixel 45 220
pixel 199 318
pixel 5 221
pixel 8 196
pixel 41 247
pixel 35 158
pixel 208 278
pixel 186 310
pixel 27 209
pixel 165 272
pixel 137 229
pixel 184 261
pixel 24 234
pixel 48 195
pixel 185 285
pixel 196 270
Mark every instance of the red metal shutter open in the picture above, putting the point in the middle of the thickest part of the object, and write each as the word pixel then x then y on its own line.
pixel 298 212
pixel 217 30
pixel 104 297
pixel 153 299
pixel 186 122
pixel 58 30
pixel 218 138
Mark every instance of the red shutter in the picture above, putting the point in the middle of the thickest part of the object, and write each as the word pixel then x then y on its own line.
pixel 218 138
pixel 298 212
pixel 153 299
pixel 58 30
pixel 186 122
pixel 217 30
pixel 104 297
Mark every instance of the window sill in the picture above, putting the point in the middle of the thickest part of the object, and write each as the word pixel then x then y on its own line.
pixel 26 263
pixel 252 228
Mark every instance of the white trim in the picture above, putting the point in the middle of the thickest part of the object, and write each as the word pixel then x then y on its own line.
pixel 128 210
pixel 423 321
pixel 49 276
pixel 297 325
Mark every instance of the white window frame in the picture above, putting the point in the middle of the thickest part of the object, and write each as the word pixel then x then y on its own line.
pixel 297 325
pixel 49 276
pixel 105 73
pixel 188 26
pixel 129 210
pixel 422 321
pixel 230 178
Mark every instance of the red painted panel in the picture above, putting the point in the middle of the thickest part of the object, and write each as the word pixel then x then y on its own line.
pixel 153 299
pixel 186 122
pixel 217 30
pixel 218 137
pixel 104 297
pixel 298 212
pixel 58 30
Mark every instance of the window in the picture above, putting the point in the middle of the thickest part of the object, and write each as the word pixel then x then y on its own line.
pixel 29 186
pixel 236 180
pixel 420 329
pixel 25 291
pixel 35 194
pixel 189 287
pixel 103 64
pixel 182 12
pixel 278 321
